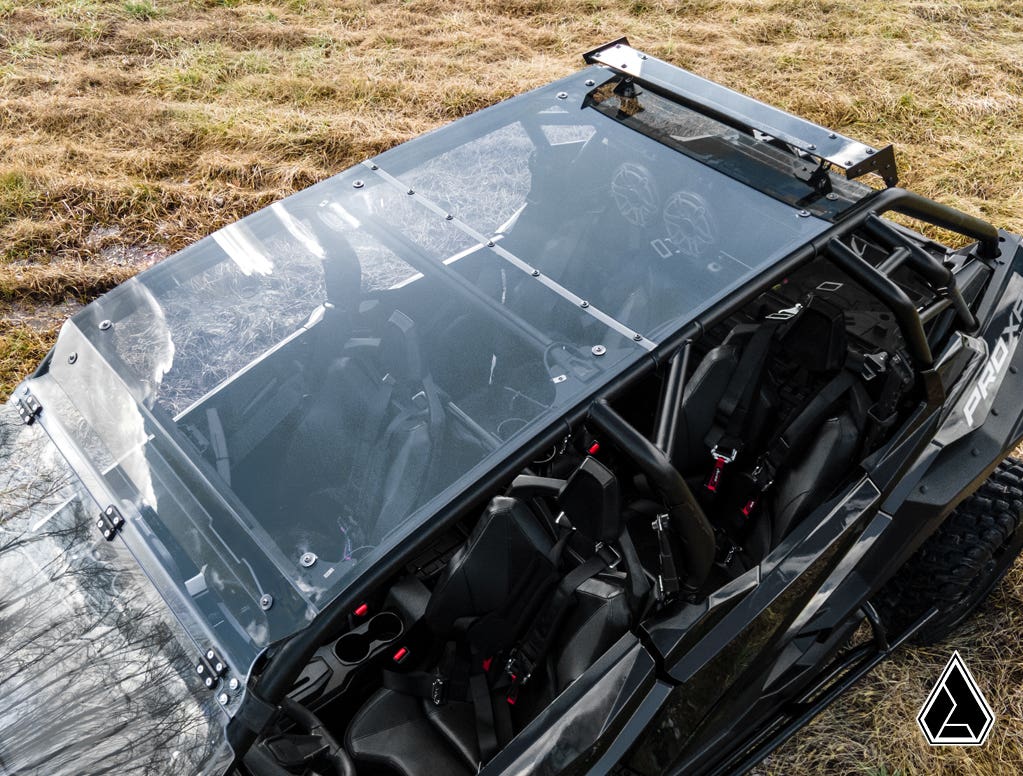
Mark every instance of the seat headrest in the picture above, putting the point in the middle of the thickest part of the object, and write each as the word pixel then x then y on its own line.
pixel 400 355
pixel 592 502
pixel 484 573
pixel 817 338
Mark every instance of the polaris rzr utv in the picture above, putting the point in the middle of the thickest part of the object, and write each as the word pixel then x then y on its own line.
pixel 578 436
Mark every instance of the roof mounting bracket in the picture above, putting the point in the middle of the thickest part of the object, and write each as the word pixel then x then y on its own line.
pixel 746 113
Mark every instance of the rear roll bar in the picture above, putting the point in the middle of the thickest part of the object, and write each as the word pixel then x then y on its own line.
pixel 889 294
pixel 933 271
pixel 927 210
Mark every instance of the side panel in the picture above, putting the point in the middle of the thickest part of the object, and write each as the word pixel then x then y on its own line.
pixel 726 672
pixel 605 708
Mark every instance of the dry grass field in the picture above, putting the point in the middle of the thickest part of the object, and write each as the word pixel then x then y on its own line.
pixel 130 128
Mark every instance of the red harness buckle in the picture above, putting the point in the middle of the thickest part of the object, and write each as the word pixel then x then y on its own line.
pixel 720 461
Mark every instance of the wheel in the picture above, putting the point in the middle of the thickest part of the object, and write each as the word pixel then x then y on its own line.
pixel 962 561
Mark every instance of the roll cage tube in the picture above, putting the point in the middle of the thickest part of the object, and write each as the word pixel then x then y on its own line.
pixel 893 297
pixel 687 518
pixel 670 410
pixel 930 269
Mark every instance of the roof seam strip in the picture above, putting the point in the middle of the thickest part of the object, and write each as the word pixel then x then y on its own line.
pixel 516 261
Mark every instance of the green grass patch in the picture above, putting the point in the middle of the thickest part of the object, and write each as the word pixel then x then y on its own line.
pixel 17 194
pixel 143 10
pixel 21 348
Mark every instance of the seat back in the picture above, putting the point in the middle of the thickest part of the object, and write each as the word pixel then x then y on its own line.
pixel 361 455
pixel 487 572
pixel 703 391
pixel 815 473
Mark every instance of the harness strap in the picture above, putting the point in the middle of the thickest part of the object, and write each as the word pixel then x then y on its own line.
pixel 796 433
pixel 538 640
pixel 809 418
pixel 667 579
pixel 733 409
pixel 486 731
pixel 637 586
pixel 374 424
pixel 726 437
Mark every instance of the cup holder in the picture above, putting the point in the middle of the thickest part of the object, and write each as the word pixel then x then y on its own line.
pixel 365 641
pixel 386 626
pixel 352 648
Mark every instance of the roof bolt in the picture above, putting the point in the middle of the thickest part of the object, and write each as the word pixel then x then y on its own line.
pixel 832 196
pixel 411 192
pixel 832 135
pixel 812 147
pixel 72 357
pixel 308 559
pixel 374 167
pixel 638 337
pixel 104 325
pixel 223 698
pixel 590 82
pixel 585 304
pixel 449 217
pixel 848 163
pixel 234 684
pixel 358 185
pixel 265 602
pixel 803 214
pixel 562 95
pixel 490 243
pixel 536 273
pixel 870 150
pixel 598 350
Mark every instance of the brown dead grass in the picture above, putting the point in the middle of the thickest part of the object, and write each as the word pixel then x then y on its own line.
pixel 154 122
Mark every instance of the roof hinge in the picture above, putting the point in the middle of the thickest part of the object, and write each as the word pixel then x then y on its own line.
pixel 211 667
pixel 28 407
pixel 110 522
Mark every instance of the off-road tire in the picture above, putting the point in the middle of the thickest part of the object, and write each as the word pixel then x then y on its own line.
pixel 959 565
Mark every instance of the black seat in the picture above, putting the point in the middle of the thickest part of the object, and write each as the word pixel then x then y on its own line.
pixel 703 391
pixel 814 473
pixel 494 585
pixel 806 476
pixel 418 738
pixel 359 460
